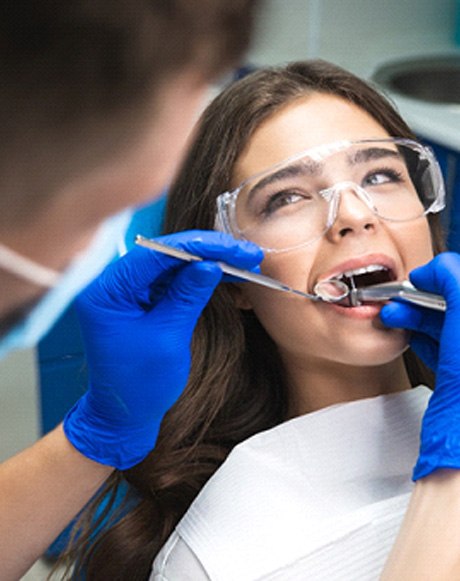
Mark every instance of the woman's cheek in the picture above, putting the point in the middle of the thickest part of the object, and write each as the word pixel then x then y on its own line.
pixel 414 243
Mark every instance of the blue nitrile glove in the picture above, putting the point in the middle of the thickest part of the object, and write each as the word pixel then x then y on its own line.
pixel 137 321
pixel 436 339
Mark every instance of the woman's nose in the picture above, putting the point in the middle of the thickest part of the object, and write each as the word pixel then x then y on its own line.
pixel 354 215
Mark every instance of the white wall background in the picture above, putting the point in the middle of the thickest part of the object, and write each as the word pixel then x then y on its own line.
pixel 356 34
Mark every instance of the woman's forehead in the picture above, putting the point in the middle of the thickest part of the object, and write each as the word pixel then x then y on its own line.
pixel 308 122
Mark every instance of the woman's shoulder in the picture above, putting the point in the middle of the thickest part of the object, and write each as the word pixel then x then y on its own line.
pixel 176 560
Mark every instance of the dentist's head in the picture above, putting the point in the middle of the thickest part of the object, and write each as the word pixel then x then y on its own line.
pixel 97 100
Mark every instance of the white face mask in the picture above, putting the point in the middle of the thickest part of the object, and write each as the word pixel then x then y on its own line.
pixel 108 242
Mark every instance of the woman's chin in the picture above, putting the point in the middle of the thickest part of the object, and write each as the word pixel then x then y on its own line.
pixel 381 350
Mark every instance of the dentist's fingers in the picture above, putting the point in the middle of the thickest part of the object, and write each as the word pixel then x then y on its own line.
pixel 217 246
pixel 426 326
pixel 187 295
pixel 407 316
pixel 440 276
pixel 129 281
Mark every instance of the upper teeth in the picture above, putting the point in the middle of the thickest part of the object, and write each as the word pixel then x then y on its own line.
pixel 363 270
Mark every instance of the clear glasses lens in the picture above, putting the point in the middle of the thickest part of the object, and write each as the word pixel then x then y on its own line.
pixel 295 202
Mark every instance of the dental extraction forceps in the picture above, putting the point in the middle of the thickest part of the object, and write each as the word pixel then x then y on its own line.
pixel 402 289
pixel 355 295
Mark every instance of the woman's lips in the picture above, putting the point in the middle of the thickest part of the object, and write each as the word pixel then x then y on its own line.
pixel 363 311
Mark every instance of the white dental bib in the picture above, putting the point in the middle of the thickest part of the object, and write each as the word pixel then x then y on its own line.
pixel 319 497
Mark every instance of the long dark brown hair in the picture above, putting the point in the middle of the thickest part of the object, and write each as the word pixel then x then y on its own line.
pixel 236 386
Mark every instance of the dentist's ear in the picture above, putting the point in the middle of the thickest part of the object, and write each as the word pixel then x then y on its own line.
pixel 239 297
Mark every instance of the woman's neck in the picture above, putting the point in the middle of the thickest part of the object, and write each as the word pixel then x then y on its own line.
pixel 312 387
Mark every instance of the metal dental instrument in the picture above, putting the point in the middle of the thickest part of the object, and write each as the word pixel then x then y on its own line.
pixel 390 290
pixel 329 291
pixel 246 275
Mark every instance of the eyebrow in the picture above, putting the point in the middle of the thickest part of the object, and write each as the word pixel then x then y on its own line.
pixel 363 155
pixel 314 168
pixel 292 170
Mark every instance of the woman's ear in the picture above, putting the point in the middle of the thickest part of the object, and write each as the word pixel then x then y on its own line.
pixel 240 298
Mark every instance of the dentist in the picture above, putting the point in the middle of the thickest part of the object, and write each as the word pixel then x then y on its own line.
pixel 96 102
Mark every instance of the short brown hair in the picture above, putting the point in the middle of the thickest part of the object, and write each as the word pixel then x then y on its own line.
pixel 80 70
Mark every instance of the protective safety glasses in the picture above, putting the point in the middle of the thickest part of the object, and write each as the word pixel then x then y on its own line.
pixel 295 202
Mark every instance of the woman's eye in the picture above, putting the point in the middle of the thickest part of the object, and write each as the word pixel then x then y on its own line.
pixel 282 199
pixel 378 178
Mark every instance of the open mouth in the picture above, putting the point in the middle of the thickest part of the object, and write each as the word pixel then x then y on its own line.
pixel 366 276
pixel 353 279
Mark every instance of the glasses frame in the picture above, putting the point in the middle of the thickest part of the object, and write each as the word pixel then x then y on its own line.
pixel 225 219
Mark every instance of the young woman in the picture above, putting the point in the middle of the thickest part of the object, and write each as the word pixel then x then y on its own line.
pixel 314 166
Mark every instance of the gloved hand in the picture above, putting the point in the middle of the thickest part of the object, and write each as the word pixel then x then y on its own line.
pixel 436 339
pixel 138 342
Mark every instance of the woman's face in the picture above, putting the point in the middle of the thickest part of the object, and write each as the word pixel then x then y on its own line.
pixel 314 333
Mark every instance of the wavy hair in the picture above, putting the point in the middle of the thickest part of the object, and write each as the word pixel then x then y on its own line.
pixel 236 386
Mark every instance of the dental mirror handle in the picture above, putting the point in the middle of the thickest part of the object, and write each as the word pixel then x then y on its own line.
pixel 404 290
pixel 246 275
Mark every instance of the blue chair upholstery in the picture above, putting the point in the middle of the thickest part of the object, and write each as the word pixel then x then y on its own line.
pixel 449 161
